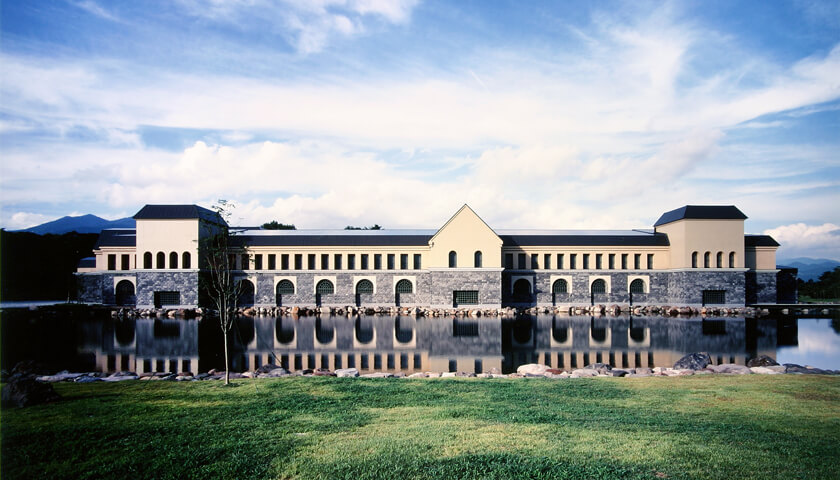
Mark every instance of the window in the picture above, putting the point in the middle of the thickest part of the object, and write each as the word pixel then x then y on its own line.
pixel 161 260
pixel 285 287
pixel 477 259
pixel 706 259
pixel 693 259
pixel 147 260
pixel 232 261
pixel 547 261
pixel 272 261
pixel 284 261
pixel 246 261
pixel 599 286
pixel 246 292
pixel 365 261
pixel 325 261
pixel 364 286
pixel 404 286
pixel 465 297
pixel 258 261
pixel 391 261
pixel 624 261
pixel 167 298
pixel 637 261
pixel 310 260
pixel 586 261
pixel 112 262
pixel 560 261
pixel 324 287
pixel 572 261
pixel 417 261
pixel 599 259
pixel 337 261
pixel 719 260
pixel 637 286
pixel 508 260
pixel 403 261
pixel 521 261
pixel 453 259
pixel 611 261
pixel 560 286
pixel 186 260
pixel 173 260
pixel 377 261
pixel 125 262
pixel 298 261
pixel 351 261
pixel 731 259
pixel 714 297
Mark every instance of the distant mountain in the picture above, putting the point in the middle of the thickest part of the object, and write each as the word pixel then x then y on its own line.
pixel 810 268
pixel 82 224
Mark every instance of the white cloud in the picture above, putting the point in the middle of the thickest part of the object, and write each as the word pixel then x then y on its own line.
pixel 21 220
pixel 800 239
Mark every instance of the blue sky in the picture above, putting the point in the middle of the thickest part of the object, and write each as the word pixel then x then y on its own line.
pixel 324 113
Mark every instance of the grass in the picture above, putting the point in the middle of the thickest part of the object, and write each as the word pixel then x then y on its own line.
pixel 805 299
pixel 781 426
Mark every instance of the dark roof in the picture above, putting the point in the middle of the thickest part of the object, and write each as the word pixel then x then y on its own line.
pixel 701 212
pixel 613 239
pixel 326 240
pixel 177 212
pixel 117 237
pixel 87 262
pixel 760 241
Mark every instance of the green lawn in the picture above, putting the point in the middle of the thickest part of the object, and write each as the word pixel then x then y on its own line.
pixel 780 426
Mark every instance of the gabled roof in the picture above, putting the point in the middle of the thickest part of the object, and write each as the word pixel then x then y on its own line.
pixel 701 212
pixel 760 241
pixel 117 237
pixel 332 238
pixel 457 214
pixel 177 212
pixel 584 238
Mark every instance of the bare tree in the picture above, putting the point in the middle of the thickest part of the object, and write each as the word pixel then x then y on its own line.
pixel 219 283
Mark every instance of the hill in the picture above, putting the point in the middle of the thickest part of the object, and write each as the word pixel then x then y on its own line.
pixel 810 268
pixel 81 224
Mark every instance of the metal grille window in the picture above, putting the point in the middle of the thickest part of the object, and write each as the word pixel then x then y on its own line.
pixel 714 297
pixel 417 261
pixel 637 286
pixel 391 261
pixel 364 286
pixel 167 298
pixel 465 297
pixel 324 287
pixel 404 286
pixel 285 287
pixel 404 261
pixel 599 286
pixel 560 286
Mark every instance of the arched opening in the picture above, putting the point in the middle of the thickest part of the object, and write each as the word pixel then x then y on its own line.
pixel 124 293
pixel 364 287
pixel 284 330
pixel 161 260
pixel 560 286
pixel 599 286
pixel 325 287
pixel 731 259
pixel 246 293
pixel 404 286
pixel 637 286
pixel 186 260
pixel 453 259
pixel 284 287
pixel 522 290
pixel 173 260
pixel 694 260
pixel 719 260
pixel 147 260
pixel 707 258
pixel 477 262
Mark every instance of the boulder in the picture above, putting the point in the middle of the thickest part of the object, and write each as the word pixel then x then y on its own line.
pixel 418 375
pixel 266 368
pixel 24 390
pixel 602 368
pixel 532 368
pixel 277 372
pixel 643 371
pixel 794 368
pixel 767 370
pixel 584 372
pixel 762 361
pixel 618 373
pixel 347 372
pixel 731 368
pixel 323 372
pixel 693 361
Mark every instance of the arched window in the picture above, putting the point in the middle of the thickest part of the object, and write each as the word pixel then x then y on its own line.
pixel 719 260
pixel 599 286
pixel 522 288
pixel 246 293
pixel 325 287
pixel 147 260
pixel 161 260
pixel 173 260
pixel 693 259
pixel 478 259
pixel 560 286
pixel 731 259
pixel 404 286
pixel 453 259
pixel 707 258
pixel 125 292
pixel 637 286
pixel 364 286
pixel 185 260
pixel 285 287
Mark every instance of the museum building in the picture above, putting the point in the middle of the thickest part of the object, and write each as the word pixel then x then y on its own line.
pixel 694 255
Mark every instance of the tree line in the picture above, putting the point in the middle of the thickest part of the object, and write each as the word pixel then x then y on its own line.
pixel 825 288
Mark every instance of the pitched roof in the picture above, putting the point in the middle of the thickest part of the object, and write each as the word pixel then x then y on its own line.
pixel 701 212
pixel 332 238
pixel 586 238
pixel 117 237
pixel 760 241
pixel 177 212
pixel 87 262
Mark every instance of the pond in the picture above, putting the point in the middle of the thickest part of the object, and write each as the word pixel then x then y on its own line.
pixel 81 339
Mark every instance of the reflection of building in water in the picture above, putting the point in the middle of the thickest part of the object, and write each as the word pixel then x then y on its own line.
pixel 147 345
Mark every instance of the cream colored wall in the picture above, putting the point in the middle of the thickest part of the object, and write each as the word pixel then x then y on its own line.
pixel 102 257
pixel 332 251
pixel 761 258
pixel 465 233
pixel 701 236
pixel 661 256
pixel 167 236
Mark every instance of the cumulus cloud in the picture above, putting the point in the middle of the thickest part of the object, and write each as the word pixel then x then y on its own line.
pixel 21 220
pixel 800 239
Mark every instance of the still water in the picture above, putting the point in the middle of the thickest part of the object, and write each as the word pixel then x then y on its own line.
pixel 89 341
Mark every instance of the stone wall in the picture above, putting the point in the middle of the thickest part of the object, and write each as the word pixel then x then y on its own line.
pixel 443 282
pixel 760 287
pixel 149 282
pixel 686 287
pixel 89 287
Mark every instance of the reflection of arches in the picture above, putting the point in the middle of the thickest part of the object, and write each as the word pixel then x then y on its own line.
pixel 247 330
pixel 124 331
pixel 637 334
pixel 324 331
pixel 403 333
pixel 599 286
pixel 522 328
pixel 637 286
pixel 599 335
pixel 324 287
pixel 124 292
pixel 364 330
pixel 284 330
pixel 246 293
pixel 364 286
pixel 559 331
